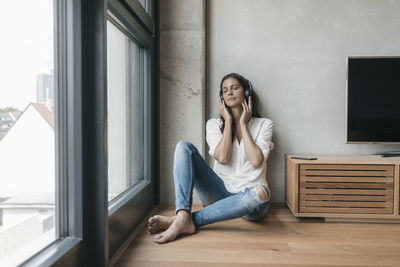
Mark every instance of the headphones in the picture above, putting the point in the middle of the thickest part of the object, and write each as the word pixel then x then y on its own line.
pixel 248 91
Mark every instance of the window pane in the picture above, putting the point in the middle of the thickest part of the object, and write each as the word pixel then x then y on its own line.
pixel 125 111
pixel 27 137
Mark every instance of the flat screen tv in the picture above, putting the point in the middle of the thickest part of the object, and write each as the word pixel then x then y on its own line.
pixel 373 100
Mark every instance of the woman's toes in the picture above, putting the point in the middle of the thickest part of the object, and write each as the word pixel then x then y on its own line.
pixel 153 219
pixel 158 238
pixel 152 229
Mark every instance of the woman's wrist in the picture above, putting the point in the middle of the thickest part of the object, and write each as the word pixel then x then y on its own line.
pixel 243 125
pixel 228 120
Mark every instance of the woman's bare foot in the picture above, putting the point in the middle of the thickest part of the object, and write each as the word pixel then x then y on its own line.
pixel 182 224
pixel 159 223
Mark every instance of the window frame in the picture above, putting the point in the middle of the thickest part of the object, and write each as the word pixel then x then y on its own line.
pixel 68 153
pixel 145 15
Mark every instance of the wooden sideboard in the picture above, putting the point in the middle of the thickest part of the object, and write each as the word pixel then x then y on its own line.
pixel 344 187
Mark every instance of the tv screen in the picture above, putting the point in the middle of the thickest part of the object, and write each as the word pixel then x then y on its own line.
pixel 373 100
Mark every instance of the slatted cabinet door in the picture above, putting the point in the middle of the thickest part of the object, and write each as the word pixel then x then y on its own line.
pixel 346 188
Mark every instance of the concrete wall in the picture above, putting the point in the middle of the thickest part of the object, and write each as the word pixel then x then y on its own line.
pixel 294 52
pixel 182 83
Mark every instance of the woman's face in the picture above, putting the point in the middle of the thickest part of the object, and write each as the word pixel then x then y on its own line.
pixel 232 92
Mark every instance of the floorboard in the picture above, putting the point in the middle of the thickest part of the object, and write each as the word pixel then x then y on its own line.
pixel 279 240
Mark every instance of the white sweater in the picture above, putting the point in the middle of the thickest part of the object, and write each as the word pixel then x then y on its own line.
pixel 238 173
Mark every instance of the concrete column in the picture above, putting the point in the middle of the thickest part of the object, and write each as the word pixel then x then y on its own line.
pixel 182 83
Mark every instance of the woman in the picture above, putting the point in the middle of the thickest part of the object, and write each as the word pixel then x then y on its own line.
pixel 240 143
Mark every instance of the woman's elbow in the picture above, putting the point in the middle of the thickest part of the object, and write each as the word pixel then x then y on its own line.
pixel 222 160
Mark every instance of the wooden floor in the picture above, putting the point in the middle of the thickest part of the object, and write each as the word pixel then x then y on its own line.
pixel 278 240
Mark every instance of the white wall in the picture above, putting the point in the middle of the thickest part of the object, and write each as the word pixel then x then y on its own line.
pixel 294 52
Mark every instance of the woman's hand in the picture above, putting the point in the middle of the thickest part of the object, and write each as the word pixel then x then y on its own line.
pixel 224 111
pixel 247 111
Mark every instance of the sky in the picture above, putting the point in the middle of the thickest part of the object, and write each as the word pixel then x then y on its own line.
pixel 26 49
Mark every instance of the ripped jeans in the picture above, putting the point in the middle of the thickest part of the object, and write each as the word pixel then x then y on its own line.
pixel 191 171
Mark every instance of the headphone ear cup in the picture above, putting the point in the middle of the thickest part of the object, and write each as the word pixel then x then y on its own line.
pixel 248 91
pixel 221 96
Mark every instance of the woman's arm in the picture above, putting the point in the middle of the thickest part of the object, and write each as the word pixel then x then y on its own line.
pixel 223 150
pixel 253 152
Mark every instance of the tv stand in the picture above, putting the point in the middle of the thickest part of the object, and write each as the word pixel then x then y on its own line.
pixel 388 154
pixel 344 187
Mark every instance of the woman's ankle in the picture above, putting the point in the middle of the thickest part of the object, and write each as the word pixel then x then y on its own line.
pixel 183 214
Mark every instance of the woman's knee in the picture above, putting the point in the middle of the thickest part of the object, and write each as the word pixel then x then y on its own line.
pixel 183 151
pixel 254 198
pixel 263 193
pixel 184 146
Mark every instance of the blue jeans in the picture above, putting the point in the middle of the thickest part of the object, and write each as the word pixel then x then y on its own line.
pixel 191 171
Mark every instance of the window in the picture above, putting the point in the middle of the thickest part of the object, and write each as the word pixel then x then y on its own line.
pixel 125 111
pixel 27 130
pixel 74 89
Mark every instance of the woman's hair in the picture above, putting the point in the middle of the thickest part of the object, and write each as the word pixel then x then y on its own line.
pixel 245 84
